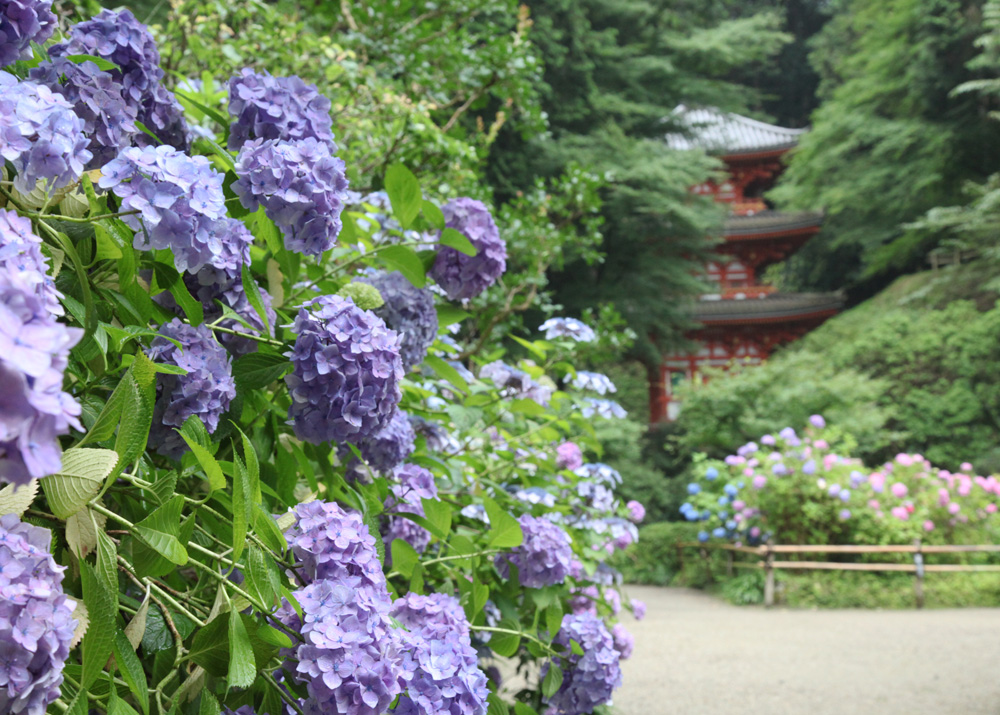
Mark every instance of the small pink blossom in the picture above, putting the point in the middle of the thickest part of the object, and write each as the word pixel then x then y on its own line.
pixel 944 496
pixel 821 444
pixel 966 467
pixel 991 508
pixel 759 481
pixel 928 525
pixel 900 513
pixel 739 504
pixel 954 508
pixel 873 504
pixel 904 459
pixel 748 472
pixel 899 490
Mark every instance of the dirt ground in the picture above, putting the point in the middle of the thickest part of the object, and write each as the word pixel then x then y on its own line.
pixel 697 654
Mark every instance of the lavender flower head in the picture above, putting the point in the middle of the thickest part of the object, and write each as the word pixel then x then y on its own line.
pixel 624 642
pixel 638 609
pixel 301 186
pixel 119 38
pixel 569 456
pixel 409 311
pixel 601 384
pixel 285 108
pixel 438 438
pixel 463 277
pixel 543 558
pixel 636 511
pixel 20 249
pixel 205 391
pixel 570 328
pixel 390 445
pixel 442 665
pixel 21 23
pixel 36 619
pixel 180 201
pixel 98 99
pixel 608 409
pixel 345 385
pixel 34 353
pixel 600 472
pixel 413 483
pixel 588 679
pixel 331 543
pixel 514 383
pixel 40 135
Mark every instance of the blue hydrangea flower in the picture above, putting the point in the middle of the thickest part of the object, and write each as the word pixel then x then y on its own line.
pixel 693 488
pixel 601 472
pixel 301 186
pixel 119 38
pixel 568 328
pixel 21 23
pixel 438 438
pixel 180 201
pixel 514 383
pixel 412 483
pixel 98 99
pixel 205 391
pixel 36 619
pixel 407 310
pixel 20 249
pixel 608 409
pixel 34 353
pixel 40 135
pixel 345 385
pixel 543 558
pixel 463 277
pixel 390 446
pixel 711 473
pixel 331 543
pixel 285 108
pixel 702 536
pixel 718 532
pixel 601 384
pixel 588 679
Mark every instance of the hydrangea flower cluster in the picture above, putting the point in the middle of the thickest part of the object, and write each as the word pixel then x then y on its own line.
pixel 442 665
pixel 332 544
pixel 98 99
pixel 205 391
pixel 608 409
pixel 515 383
pixel 623 640
pixel 180 203
pixel 412 483
pixel 119 38
pixel 21 23
pixel 34 353
pixel 588 679
pixel 600 472
pixel 286 108
pixel 301 186
pixel 345 385
pixel 570 328
pixel 40 135
pixel 463 277
pixel 390 446
pixel 36 619
pixel 637 512
pixel 569 456
pixel 595 381
pixel 543 558
pixel 438 438
pixel 409 311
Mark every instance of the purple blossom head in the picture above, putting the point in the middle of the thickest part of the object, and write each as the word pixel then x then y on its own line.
pixel 638 609
pixel 36 619
pixel 345 386
pixel 331 543
pixel 588 679
pixel 543 558
pixel 438 438
pixel 599 383
pixel 34 353
pixel 180 203
pixel 817 421
pixel 514 383
pixel 413 483
pixel 442 666
pixel 301 186
pixel 390 445
pixel 570 328
pixel 20 250
pixel 569 456
pixel 600 472
pixel 637 512
pixel 119 38
pixel 608 409
pixel 623 640
pixel 284 108
pixel 463 277
pixel 40 135
pixel 98 99
pixel 407 310
pixel 21 23
pixel 205 391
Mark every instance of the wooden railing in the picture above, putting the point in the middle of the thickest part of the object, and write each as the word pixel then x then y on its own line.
pixel 770 564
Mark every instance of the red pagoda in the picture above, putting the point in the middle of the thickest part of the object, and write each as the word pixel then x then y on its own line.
pixel 744 319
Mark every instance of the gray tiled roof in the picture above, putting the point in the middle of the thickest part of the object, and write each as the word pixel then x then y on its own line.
pixel 727 133
pixel 771 221
pixel 775 306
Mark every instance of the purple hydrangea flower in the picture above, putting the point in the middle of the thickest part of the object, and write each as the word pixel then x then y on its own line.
pixel 623 640
pixel 588 679
pixel 463 277
pixel 301 186
pixel 98 99
pixel 180 201
pixel 36 619
pixel 242 710
pixel 637 512
pixel 284 108
pixel 608 409
pixel 407 310
pixel 34 353
pixel 442 666
pixel 569 456
pixel 568 328
pixel 601 384
pixel 20 249
pixel 817 421
pixel 205 391
pixel 601 472
pixel 412 484
pixel 40 135
pixel 334 544
pixel 514 383
pixel 21 23
pixel 438 438
pixel 638 609
pixel 543 558
pixel 119 38
pixel 390 445
pixel 345 386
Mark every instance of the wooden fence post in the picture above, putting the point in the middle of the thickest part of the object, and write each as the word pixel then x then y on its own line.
pixel 918 585
pixel 729 564
pixel 768 576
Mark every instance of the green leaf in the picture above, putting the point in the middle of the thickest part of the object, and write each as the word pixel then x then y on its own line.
pixel 145 130
pixel 79 480
pixel 526 407
pixel 216 479
pixel 480 595
pixel 99 61
pixel 553 619
pixel 524 709
pixel 242 667
pixel 406 261
pixel 458 241
pixel 107 560
pixel 534 348
pixel 131 669
pixel 117 706
pixel 208 705
pixel 160 530
pixel 266 229
pixel 433 214
pixel 504 532
pixel 438 513
pixel 258 370
pixel 404 557
pixel 496 705
pixel 446 371
pixel 267 530
pixel 99 640
pixel 195 429
pixel 575 647
pixel 261 580
pixel 449 314
pixel 273 636
pixel 252 291
pixel 552 680
pixel 242 503
pixel 506 644
pixel 404 193
pixel 15 499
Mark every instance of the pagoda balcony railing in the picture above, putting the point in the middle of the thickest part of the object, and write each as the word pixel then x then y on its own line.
pixel 740 293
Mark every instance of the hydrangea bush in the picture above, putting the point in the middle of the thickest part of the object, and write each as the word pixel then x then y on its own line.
pixel 274 469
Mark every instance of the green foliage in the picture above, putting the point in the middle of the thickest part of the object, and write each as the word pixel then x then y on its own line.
pixel 657 561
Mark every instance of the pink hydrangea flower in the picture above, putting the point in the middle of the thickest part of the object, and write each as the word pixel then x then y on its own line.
pixel 966 467
pixel 954 508
pixel 928 525
pixel 904 459
pixel 759 481
pixel 899 490
pixel 873 504
pixel 900 513
pixel 991 508
pixel 944 496
pixel 821 444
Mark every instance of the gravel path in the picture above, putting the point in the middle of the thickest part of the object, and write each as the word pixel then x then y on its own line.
pixel 697 654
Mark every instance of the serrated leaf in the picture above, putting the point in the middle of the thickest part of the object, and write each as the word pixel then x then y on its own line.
pixel 272 635
pixel 449 314
pixel 496 705
pixel 406 261
pixel 101 607
pixel 506 644
pixel 81 531
pixel 252 292
pixel 505 532
pixel 107 560
pixel 458 241
pixel 242 667
pixel 446 371
pixel 530 408
pixel 208 705
pixel 433 214
pixel 242 506
pixel 213 472
pixel 575 647
pixel 258 370
pixel 553 619
pixel 136 627
pixel 404 557
pixel 552 680
pixel 79 480
pixel 99 61
pixel 404 194
pixel 82 623
pixel 160 530
pixel 438 513
pixel 524 709
pixel 131 669
pixel 16 499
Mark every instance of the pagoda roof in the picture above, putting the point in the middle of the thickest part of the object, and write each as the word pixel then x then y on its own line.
pixel 766 224
pixel 729 134
pixel 773 308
